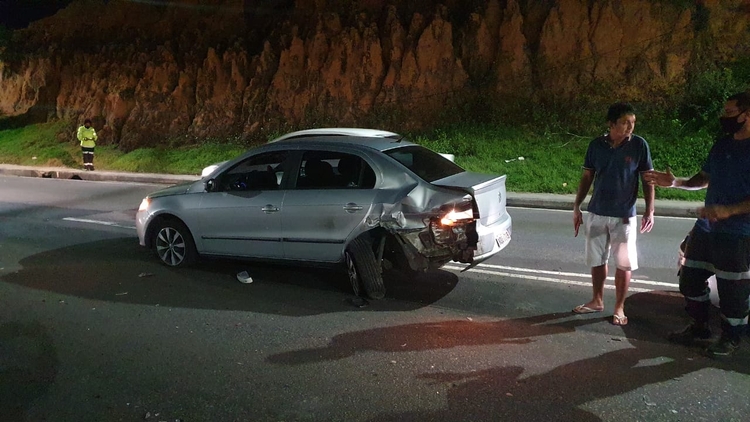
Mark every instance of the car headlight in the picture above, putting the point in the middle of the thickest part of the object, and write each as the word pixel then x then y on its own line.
pixel 144 204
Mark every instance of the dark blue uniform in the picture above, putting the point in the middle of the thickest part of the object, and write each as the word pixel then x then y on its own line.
pixel 722 247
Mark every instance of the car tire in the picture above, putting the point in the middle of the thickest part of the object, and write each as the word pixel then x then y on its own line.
pixel 362 266
pixel 173 244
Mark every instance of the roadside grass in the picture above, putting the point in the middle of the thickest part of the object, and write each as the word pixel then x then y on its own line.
pixel 39 145
pixel 36 145
pixel 183 160
pixel 552 162
pixel 546 162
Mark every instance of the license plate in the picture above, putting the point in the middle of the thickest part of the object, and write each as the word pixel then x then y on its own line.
pixel 502 239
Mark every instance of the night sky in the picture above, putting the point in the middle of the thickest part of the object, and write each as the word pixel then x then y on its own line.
pixel 16 14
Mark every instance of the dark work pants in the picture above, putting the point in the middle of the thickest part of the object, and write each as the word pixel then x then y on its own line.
pixel 727 257
pixel 88 157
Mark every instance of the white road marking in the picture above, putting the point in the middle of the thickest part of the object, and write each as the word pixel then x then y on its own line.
pixel 480 270
pixel 99 222
pixel 577 275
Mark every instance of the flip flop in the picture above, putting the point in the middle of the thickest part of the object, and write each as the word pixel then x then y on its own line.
pixel 619 320
pixel 583 309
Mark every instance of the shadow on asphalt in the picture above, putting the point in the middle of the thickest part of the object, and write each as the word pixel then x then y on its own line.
pixel 28 369
pixel 119 270
pixel 506 393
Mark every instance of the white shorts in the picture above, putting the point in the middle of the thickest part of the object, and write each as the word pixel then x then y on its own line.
pixel 605 233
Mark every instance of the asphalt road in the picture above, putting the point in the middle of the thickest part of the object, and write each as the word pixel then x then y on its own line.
pixel 93 328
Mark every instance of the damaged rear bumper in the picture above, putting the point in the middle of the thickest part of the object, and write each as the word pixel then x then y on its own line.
pixel 472 243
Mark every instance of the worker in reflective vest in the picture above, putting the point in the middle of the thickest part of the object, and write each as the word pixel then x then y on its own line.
pixel 87 135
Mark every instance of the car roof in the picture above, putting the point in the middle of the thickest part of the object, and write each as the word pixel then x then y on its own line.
pixel 373 138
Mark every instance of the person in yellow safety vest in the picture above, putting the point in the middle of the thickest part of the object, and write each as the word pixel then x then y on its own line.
pixel 87 135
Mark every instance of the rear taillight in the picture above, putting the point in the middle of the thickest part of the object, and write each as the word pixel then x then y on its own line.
pixel 444 235
pixel 453 217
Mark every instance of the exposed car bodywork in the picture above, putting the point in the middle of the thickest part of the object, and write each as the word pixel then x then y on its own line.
pixel 414 208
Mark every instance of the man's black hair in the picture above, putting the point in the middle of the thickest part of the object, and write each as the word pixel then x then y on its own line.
pixel 742 98
pixel 87 121
pixel 618 110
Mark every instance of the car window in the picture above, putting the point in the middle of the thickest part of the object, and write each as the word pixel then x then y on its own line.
pixel 334 170
pixel 259 172
pixel 425 163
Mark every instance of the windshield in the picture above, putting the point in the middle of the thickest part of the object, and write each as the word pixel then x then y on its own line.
pixel 425 163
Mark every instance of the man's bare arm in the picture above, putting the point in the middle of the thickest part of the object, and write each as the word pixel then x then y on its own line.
pixel 587 178
pixel 667 180
pixel 721 212
pixel 647 222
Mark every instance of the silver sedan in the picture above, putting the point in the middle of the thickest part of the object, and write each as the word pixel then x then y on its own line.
pixel 365 198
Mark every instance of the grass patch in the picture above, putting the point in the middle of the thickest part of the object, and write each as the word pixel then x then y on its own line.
pixel 46 144
pixel 37 145
pixel 184 160
pixel 551 161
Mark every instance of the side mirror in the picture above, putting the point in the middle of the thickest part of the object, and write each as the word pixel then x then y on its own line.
pixel 210 185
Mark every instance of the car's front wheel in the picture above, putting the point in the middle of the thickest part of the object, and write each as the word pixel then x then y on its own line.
pixel 174 244
pixel 362 266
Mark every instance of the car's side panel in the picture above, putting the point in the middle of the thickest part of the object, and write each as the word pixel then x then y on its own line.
pixel 241 223
pixel 326 202
pixel 316 223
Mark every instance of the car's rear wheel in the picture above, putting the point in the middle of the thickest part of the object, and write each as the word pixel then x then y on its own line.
pixel 174 244
pixel 362 267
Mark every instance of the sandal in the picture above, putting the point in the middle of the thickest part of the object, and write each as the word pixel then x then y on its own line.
pixel 619 320
pixel 583 309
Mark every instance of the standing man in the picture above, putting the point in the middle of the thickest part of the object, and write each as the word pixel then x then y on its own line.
pixel 614 164
pixel 719 243
pixel 87 135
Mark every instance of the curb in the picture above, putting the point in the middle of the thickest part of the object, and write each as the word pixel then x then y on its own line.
pixel 99 176
pixel 663 207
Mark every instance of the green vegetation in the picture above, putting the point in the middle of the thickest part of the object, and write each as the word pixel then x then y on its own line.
pixel 36 145
pixel 551 161
pixel 54 144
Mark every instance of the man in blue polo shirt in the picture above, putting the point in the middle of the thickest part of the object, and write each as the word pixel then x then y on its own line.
pixel 614 164
pixel 719 243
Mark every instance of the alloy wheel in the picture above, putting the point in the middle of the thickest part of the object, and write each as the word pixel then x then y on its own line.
pixel 351 269
pixel 170 246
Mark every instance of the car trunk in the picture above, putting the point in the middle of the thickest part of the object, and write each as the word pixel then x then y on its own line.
pixel 488 192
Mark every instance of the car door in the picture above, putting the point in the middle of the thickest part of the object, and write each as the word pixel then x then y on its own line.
pixel 241 216
pixel 331 197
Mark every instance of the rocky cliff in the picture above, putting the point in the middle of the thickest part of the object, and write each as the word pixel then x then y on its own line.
pixel 151 71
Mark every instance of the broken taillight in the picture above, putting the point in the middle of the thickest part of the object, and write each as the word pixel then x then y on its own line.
pixel 454 217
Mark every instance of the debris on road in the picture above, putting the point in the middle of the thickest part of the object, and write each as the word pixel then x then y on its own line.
pixel 121 294
pixel 244 277
pixel 141 275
